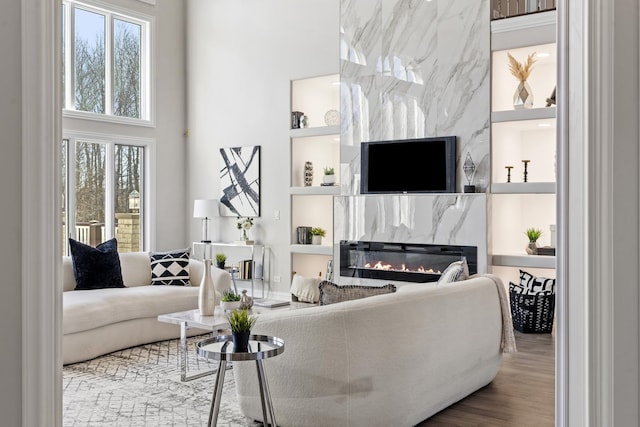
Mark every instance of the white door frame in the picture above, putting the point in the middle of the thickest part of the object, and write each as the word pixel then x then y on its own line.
pixel 598 333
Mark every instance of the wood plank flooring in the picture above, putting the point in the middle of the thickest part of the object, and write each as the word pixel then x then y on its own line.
pixel 522 394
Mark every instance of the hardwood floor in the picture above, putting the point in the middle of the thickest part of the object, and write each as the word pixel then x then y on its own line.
pixel 522 394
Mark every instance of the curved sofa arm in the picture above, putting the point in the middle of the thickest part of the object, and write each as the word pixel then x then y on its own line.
pixel 221 278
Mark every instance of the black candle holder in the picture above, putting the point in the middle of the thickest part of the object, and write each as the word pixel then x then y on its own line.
pixel 526 162
pixel 508 168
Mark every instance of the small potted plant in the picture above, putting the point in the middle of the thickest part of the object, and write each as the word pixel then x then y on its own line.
pixel 241 323
pixel 533 234
pixel 317 234
pixel 220 260
pixel 230 301
pixel 329 177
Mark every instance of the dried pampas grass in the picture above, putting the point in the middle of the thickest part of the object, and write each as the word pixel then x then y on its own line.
pixel 521 71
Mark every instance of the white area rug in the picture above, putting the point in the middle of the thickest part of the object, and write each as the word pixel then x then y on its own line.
pixel 141 386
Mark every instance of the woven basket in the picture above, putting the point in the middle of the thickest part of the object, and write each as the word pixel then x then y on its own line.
pixel 532 313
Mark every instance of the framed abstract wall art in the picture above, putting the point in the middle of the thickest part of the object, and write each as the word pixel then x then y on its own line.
pixel 240 181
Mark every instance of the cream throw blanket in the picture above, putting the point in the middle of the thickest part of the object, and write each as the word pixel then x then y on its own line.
pixel 508 339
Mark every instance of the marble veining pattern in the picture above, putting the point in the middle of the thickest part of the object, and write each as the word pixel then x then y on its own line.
pixel 411 69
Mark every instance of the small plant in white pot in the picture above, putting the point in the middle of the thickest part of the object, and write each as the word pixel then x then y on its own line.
pixel 317 234
pixel 230 301
pixel 220 260
pixel 329 177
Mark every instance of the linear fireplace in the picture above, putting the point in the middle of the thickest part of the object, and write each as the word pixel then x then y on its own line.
pixel 406 262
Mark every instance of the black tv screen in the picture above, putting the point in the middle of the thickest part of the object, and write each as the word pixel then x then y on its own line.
pixel 426 165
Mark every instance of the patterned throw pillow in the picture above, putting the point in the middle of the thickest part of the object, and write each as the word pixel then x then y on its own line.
pixel 330 293
pixel 96 268
pixel 535 284
pixel 170 268
pixel 455 272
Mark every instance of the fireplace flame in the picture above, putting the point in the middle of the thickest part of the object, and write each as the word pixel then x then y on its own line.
pixel 388 267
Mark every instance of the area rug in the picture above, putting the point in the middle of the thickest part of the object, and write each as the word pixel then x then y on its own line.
pixel 141 386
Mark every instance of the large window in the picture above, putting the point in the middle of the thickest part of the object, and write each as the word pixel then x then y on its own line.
pixel 104 192
pixel 105 62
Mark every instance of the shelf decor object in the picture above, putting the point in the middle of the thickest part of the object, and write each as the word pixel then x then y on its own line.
pixel 508 168
pixel 244 224
pixel 332 118
pixel 533 234
pixel 329 177
pixel 523 96
pixel 526 172
pixel 469 168
pixel 205 209
pixel 308 174
pixel 207 292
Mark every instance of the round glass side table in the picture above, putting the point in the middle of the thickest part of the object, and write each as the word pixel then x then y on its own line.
pixel 220 348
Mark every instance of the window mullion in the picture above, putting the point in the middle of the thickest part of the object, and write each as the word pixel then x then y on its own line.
pixel 71 188
pixel 70 57
pixel 109 193
pixel 108 65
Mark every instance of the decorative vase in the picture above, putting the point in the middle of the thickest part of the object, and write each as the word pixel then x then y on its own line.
pixel 207 294
pixel 329 179
pixel 523 96
pixel 316 240
pixel 240 341
pixel 308 174
pixel 244 235
pixel 532 248
pixel 246 302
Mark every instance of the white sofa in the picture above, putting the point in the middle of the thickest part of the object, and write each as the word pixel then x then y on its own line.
pixel 100 321
pixel 387 360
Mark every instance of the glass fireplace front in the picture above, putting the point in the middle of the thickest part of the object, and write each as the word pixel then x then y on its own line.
pixel 406 262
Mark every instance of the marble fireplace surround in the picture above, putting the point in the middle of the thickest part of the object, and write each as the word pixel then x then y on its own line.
pixel 444 219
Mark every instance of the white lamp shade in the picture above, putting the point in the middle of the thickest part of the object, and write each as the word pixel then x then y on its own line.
pixel 205 208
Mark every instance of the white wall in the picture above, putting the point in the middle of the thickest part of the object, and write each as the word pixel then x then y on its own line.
pixel 241 57
pixel 168 133
pixel 10 212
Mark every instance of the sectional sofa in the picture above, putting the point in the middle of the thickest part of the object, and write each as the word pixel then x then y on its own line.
pixel 386 360
pixel 100 321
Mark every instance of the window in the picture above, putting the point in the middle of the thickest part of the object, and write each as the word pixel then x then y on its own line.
pixel 104 192
pixel 106 68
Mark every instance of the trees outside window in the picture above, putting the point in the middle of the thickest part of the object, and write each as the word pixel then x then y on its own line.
pixel 105 57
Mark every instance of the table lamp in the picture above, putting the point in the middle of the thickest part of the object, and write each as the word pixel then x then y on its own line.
pixel 205 209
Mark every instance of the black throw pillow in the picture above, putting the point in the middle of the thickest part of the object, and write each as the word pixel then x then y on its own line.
pixel 96 268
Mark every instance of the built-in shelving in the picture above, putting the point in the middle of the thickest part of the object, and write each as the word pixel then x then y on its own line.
pixel 315 131
pixel 522 134
pixel 526 261
pixel 315 190
pixel 524 114
pixel 312 206
pixel 312 249
pixel 523 188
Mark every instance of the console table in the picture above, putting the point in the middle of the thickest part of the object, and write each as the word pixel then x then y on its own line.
pixel 204 250
pixel 220 348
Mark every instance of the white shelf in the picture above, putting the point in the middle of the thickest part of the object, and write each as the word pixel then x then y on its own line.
pixel 524 114
pixel 316 190
pixel 523 30
pixel 531 261
pixel 315 131
pixel 523 187
pixel 312 249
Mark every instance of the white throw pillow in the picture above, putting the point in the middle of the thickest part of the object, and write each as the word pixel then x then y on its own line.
pixel 455 272
pixel 305 288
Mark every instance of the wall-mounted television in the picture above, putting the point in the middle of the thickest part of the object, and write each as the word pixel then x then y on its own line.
pixel 425 165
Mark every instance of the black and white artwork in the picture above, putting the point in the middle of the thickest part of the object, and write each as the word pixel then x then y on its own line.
pixel 240 181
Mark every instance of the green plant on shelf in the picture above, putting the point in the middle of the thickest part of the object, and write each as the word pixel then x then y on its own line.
pixel 317 231
pixel 533 234
pixel 329 171
pixel 221 258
